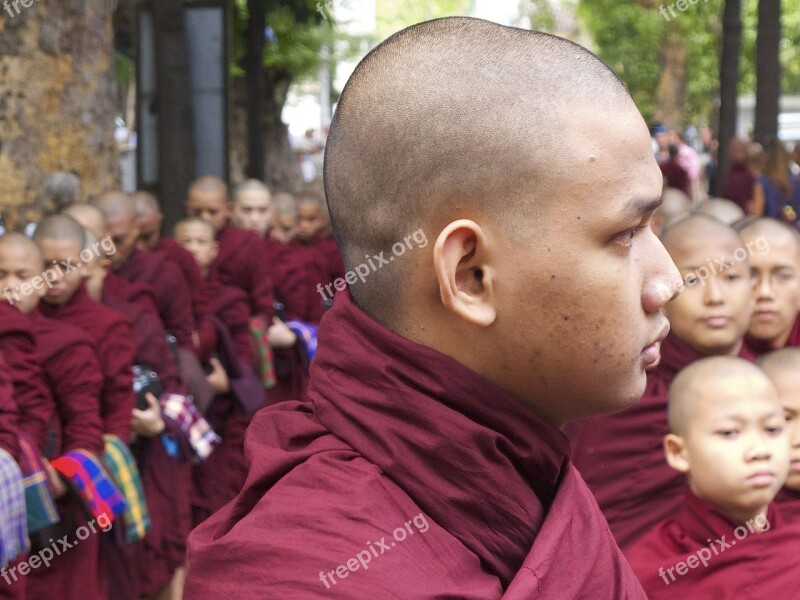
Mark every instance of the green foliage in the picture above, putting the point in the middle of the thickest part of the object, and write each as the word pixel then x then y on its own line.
pixel 394 15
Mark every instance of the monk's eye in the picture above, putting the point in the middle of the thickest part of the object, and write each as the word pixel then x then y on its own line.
pixel 774 429
pixel 626 237
pixel 727 433
pixel 691 279
pixel 732 277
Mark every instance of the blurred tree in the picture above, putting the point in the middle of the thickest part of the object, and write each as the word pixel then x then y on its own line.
pixel 768 70
pixel 728 81
pixel 56 100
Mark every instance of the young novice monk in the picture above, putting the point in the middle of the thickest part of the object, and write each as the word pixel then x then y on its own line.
pixel 783 368
pixel 230 356
pixel 73 374
pixel 619 455
pixel 776 267
pixel 728 435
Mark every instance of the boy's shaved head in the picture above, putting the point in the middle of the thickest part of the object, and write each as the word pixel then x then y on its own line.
pixel 725 210
pixel 115 204
pixel 146 204
pixel 194 221
pixel 452 118
pixel 60 228
pixel 208 184
pixel 774 230
pixel 693 383
pixel 21 242
pixel 89 216
pixel 694 228
pixel 785 359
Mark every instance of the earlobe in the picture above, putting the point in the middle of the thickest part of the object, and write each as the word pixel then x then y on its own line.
pixel 466 279
pixel 675 451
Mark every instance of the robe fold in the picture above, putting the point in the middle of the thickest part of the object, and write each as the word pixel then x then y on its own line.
pixel 172 294
pixel 34 402
pixel 73 374
pixel 112 337
pixel 621 455
pixel 289 278
pixel 241 263
pixel 321 262
pixel 395 431
pixel 739 563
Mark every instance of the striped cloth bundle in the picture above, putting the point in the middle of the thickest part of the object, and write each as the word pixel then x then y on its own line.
pixel 13 529
pixel 93 484
pixel 122 467
pixel 182 410
pixel 40 508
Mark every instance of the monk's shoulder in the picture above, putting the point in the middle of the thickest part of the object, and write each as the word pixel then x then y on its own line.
pixel 54 337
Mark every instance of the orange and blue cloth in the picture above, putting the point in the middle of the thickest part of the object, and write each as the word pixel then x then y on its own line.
pixel 93 484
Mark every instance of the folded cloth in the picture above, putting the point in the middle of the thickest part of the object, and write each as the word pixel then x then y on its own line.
pixel 122 467
pixel 181 410
pixel 13 529
pixel 306 339
pixel 266 364
pixel 40 508
pixel 93 484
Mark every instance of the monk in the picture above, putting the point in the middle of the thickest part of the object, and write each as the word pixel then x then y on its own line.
pixel 441 382
pixel 73 375
pixel 318 256
pixel 219 478
pixel 166 477
pixel 150 218
pixel 241 261
pixel 783 368
pixel 725 210
pixel 620 455
pixel 284 219
pixel 729 436
pixel 173 298
pixel 776 266
pixel 61 239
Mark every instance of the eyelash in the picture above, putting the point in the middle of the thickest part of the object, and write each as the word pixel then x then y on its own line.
pixel 626 237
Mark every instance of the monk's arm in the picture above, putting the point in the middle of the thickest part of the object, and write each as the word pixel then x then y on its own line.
pixel 116 353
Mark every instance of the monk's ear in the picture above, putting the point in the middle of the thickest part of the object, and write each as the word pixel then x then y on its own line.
pixel 675 451
pixel 465 276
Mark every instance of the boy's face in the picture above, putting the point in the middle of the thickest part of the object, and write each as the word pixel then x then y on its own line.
pixel 199 241
pixel 788 383
pixel 56 254
pixel 285 227
pixel 777 290
pixel 124 232
pixel 149 229
pixel 18 265
pixel 210 206
pixel 736 444
pixel 310 221
pixel 711 314
pixel 253 210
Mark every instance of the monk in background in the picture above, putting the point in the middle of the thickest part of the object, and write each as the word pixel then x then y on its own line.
pixel 441 382
pixel 729 436
pixel 620 455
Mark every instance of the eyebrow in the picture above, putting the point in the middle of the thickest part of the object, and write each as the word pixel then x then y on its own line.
pixel 639 207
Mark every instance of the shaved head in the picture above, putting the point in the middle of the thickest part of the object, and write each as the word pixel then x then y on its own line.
pixel 725 210
pixel 89 216
pixel 451 118
pixel 196 221
pixel 777 232
pixel 115 204
pixel 145 204
pixel 208 184
pixel 779 361
pixel 18 241
pixel 717 377
pixel 697 229
pixel 60 228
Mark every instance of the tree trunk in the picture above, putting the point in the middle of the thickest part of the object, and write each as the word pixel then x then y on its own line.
pixel 254 69
pixel 282 167
pixel 174 109
pixel 728 82
pixel 768 70
pixel 56 100
pixel 671 91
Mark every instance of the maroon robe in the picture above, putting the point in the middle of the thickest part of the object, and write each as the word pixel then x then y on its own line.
pixel 759 347
pixel 745 565
pixel 172 293
pixel 166 479
pixel 289 277
pixel 314 260
pixel 32 396
pixel 135 293
pixel 788 502
pixel 8 412
pixel 184 260
pixel 738 185
pixel 621 455
pixel 396 431
pixel 241 263
pixel 111 335
pixel 73 373
pixel 217 479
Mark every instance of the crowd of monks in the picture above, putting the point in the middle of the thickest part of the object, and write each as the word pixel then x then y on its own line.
pixel 132 364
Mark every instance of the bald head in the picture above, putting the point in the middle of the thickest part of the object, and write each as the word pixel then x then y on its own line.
pixel 115 204
pixel 452 118
pixel 122 224
pixel 145 204
pixel 710 380
pixel 725 210
pixel 208 184
pixel 785 360
pixel 695 230
pixel 20 245
pixel 60 228
pixel 89 216
pixel 774 231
